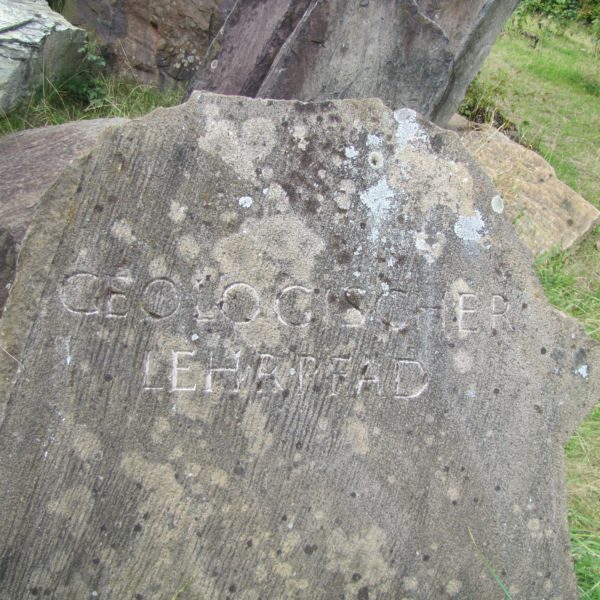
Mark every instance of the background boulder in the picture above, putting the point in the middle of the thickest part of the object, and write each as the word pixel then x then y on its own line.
pixel 36 43
pixel 545 212
pixel 419 54
pixel 159 43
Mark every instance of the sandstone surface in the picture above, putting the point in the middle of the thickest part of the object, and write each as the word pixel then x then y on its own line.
pixel 32 160
pixel 545 212
pixel 263 349
pixel 420 54
pixel 36 43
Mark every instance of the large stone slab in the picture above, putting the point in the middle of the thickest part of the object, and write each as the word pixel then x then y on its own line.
pixel 263 349
pixel 241 55
pixel 546 212
pixel 36 43
pixel 420 54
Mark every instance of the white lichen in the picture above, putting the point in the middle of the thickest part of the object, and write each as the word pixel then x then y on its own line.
pixel 374 141
pixel 498 204
pixel 351 152
pixel 470 229
pixel 408 131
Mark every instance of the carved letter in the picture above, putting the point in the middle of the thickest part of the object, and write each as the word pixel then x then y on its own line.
pixel 262 374
pixel 291 290
pixel 305 360
pixel 112 294
pixel 240 303
pixel 177 369
pixel 500 307
pixel 411 379
pixel 366 379
pixel 147 385
pixel 354 317
pixel 394 310
pixel 235 371
pixel 465 307
pixel 338 375
pixel 88 307
pixel 160 299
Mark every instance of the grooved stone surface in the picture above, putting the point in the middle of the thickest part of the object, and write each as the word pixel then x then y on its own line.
pixel 32 160
pixel 280 350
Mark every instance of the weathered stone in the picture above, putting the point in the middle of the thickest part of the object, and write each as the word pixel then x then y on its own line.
pixel 284 350
pixel 546 213
pixel 36 43
pixel 157 43
pixel 32 160
pixel 420 54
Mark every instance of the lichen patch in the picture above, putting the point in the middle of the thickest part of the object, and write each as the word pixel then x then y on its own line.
pixel 470 229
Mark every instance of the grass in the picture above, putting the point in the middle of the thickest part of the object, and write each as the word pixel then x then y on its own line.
pixel 114 97
pixel 550 96
pixel 490 568
pixel 583 467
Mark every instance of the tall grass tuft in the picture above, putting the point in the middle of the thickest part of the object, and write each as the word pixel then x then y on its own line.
pixel 54 105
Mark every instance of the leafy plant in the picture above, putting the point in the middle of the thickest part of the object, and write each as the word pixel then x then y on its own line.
pixel 88 84
pixel 589 11
pixel 560 13
pixel 559 9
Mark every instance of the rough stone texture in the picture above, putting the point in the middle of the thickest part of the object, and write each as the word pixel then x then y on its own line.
pixel 545 211
pixel 158 42
pixel 420 54
pixel 35 43
pixel 282 350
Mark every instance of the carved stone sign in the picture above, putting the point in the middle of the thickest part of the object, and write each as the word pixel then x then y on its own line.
pixel 261 349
